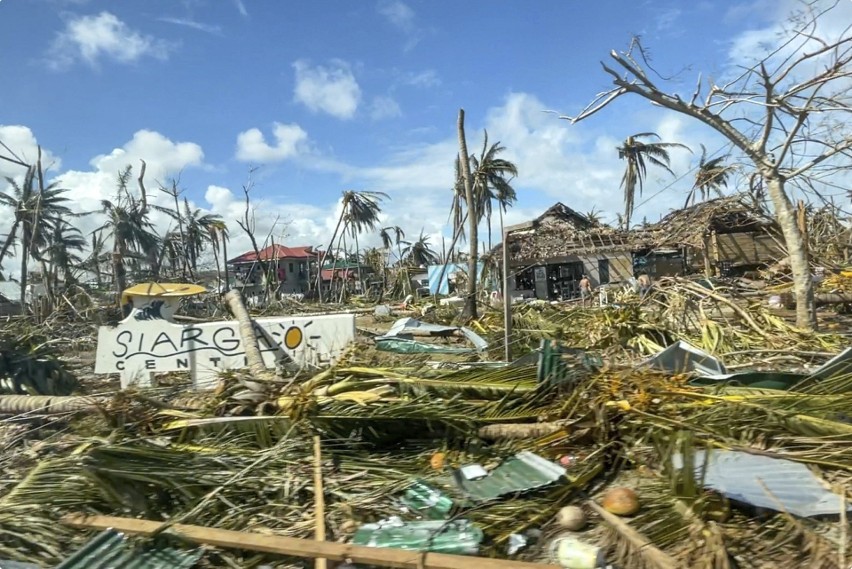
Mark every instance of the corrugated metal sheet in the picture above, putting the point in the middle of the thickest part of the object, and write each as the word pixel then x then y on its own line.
pixel 524 471
pixel 683 357
pixel 766 482
pixel 110 550
pixel 458 537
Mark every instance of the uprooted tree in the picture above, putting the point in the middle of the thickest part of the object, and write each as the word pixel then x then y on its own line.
pixel 787 113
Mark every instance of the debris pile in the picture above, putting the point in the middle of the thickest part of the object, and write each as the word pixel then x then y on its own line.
pixel 632 435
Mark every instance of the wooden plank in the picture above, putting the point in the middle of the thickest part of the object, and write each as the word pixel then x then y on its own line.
pixel 297 547
pixel 319 501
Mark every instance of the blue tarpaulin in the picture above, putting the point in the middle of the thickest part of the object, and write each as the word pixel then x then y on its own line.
pixel 452 268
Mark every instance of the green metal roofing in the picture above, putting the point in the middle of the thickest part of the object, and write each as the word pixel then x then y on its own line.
pixel 524 471
pixel 110 550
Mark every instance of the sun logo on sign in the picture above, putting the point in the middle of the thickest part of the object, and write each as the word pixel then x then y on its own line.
pixel 293 337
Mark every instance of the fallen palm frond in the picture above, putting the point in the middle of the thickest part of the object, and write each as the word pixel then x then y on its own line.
pixel 30 365
pixel 241 457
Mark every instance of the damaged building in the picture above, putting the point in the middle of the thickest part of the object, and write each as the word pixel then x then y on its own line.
pixel 549 255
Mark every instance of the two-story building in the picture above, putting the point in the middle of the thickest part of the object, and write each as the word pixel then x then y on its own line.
pixel 289 268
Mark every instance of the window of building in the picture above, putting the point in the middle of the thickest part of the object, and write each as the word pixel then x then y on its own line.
pixel 291 267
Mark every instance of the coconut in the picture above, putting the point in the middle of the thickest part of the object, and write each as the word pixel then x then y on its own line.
pixel 437 461
pixel 621 501
pixel 571 518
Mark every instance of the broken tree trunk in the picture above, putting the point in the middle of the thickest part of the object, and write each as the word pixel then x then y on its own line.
pixel 254 359
pixel 518 431
pixel 46 404
pixel 820 299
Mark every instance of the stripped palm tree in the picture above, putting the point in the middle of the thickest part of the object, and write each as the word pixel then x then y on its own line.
pixel 198 228
pixel 594 217
pixel 360 212
pixel 419 253
pixel 128 224
pixel 490 183
pixel 638 155
pixel 712 176
pixel 64 245
pixel 36 209
pixel 390 236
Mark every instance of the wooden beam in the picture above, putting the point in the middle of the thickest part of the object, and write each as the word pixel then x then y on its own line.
pixel 297 547
pixel 319 501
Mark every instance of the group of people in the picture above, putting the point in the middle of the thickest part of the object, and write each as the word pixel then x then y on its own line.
pixel 643 281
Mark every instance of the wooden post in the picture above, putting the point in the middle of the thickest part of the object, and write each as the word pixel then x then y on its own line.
pixel 297 547
pixel 319 501
pixel 708 260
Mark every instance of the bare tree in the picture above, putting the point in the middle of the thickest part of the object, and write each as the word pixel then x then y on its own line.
pixel 249 225
pixel 174 192
pixel 787 114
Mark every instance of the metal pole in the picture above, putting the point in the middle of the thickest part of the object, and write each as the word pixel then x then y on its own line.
pixel 507 301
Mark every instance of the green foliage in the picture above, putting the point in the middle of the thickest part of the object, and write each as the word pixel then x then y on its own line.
pixel 29 365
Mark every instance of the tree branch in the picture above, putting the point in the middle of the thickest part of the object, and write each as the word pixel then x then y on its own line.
pixel 141 181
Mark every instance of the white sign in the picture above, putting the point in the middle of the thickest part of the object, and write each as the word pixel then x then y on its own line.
pixel 145 343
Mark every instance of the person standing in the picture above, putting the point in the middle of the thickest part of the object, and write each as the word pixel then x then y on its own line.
pixel 644 284
pixel 585 289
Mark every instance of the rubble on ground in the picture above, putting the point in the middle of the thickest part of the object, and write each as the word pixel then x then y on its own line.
pixel 459 453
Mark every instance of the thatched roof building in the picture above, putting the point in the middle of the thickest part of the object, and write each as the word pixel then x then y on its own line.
pixel 689 226
pixel 561 232
pixel 549 254
pixel 723 232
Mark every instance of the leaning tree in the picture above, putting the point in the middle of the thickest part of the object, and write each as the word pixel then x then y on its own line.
pixel 787 112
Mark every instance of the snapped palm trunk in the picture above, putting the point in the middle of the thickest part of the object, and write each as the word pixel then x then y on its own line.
pixel 254 359
pixel 472 217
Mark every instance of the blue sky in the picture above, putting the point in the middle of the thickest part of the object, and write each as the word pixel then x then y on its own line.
pixel 324 96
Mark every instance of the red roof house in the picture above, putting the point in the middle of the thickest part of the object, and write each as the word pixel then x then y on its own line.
pixel 274 252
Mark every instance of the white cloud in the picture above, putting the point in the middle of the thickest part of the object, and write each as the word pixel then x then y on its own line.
pixel 164 155
pixel 776 28
pixel 22 145
pixel 86 188
pixel 384 108
pixel 428 78
pixel 190 23
pixel 667 18
pixel 332 90
pixel 290 139
pixel 401 16
pixel 241 8
pixel 397 13
pixel 104 36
